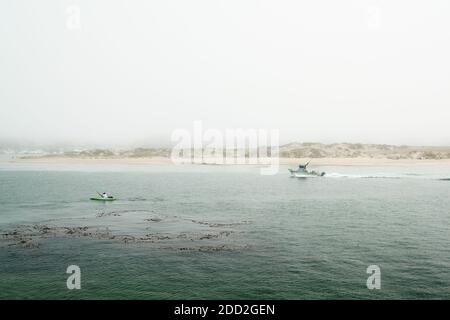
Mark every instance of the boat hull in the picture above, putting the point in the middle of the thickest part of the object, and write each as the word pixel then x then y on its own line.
pixel 304 176
pixel 102 199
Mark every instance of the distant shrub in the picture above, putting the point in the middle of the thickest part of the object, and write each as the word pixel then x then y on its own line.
pixel 147 152
pixel 285 154
pixel 310 144
pixel 71 154
pixel 356 146
pixel 141 153
pixel 298 153
pixel 316 153
pixel 428 155
pixel 96 153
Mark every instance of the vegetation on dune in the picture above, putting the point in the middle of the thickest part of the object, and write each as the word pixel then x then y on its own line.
pixel 291 150
pixel 146 153
pixel 97 153
pixel 358 150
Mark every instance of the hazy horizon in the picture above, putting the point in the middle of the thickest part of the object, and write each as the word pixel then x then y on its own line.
pixel 34 146
pixel 129 74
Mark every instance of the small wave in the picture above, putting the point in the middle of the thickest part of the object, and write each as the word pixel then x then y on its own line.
pixel 119 213
pixel 137 199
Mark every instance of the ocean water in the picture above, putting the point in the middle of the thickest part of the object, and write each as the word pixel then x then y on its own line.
pixel 219 232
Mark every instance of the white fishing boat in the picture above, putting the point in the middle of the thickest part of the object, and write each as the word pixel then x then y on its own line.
pixel 302 172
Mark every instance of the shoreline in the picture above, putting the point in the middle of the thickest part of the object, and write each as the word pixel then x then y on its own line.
pixel 282 161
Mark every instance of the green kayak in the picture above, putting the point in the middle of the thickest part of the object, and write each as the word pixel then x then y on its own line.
pixel 99 198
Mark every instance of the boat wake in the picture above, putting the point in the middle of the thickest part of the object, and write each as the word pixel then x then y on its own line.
pixel 384 176
pixel 362 176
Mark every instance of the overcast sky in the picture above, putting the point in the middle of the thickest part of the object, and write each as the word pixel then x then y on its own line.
pixel 133 71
